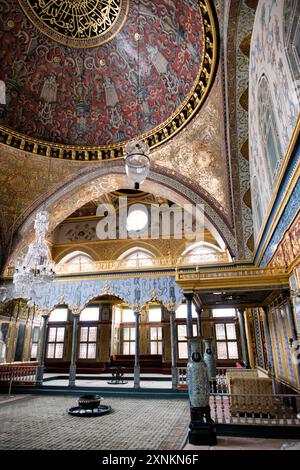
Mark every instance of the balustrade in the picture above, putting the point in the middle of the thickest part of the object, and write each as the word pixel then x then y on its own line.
pixel 19 374
pixel 275 410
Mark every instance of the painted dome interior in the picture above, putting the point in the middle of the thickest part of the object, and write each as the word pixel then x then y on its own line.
pixel 59 91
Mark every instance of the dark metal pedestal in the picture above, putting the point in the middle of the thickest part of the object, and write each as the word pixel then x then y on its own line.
pixel 202 427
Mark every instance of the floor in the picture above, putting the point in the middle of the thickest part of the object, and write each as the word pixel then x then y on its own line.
pixel 134 424
pixel 89 380
pixel 43 423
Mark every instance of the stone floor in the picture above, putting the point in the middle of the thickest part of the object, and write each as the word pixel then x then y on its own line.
pixel 42 422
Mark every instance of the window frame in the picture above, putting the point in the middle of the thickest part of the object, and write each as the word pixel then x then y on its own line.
pixel 231 321
pixel 129 341
pixel 87 325
pixel 180 341
pixel 157 341
pixel 56 326
pixel 35 343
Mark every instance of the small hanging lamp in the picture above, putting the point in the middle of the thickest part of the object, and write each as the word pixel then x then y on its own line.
pixel 137 163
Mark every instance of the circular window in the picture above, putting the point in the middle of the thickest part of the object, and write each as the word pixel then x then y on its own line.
pixel 137 218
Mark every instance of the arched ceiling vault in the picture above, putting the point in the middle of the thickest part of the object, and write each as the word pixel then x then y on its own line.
pixel 91 185
pixel 195 159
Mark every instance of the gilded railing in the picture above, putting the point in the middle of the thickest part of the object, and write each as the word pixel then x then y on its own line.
pixel 229 276
pixel 134 264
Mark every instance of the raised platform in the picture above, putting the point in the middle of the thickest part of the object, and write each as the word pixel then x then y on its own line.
pixel 151 386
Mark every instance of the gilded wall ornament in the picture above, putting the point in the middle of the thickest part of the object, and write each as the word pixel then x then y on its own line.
pixel 77 23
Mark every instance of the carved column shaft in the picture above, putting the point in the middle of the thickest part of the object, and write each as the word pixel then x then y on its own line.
pixel 137 350
pixel 40 369
pixel 173 349
pixel 268 338
pixel 291 319
pixel 189 319
pixel 241 313
pixel 72 371
pixel 199 321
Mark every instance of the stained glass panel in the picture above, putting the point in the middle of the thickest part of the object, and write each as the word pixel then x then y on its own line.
pixel 126 348
pixel 230 330
pixel 59 351
pixel 182 350
pixel 52 334
pixel 82 351
pixel 232 350
pixel 83 333
pixel 221 350
pixel 220 331
pixel 92 351
pixel 93 334
pixel 181 332
pixel 60 334
pixel 34 351
pixel 50 352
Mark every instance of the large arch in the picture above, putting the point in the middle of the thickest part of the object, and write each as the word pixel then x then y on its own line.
pixel 95 182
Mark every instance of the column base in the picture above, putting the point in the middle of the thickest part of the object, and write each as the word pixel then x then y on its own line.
pixel 72 376
pixel 136 377
pixel 202 427
pixel 40 375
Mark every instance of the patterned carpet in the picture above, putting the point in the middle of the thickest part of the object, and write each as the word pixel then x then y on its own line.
pixel 41 422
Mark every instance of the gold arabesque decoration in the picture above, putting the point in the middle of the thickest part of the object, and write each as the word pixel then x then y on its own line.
pixel 76 23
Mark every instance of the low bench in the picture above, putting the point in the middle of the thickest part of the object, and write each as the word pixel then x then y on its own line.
pixel 148 363
pixel 18 373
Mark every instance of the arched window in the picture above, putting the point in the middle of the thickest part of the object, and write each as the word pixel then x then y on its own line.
pixel 204 252
pixel 76 260
pixel 137 256
pixel 270 143
pixel 291 35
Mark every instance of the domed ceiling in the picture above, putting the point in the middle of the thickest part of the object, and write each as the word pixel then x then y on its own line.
pixel 97 73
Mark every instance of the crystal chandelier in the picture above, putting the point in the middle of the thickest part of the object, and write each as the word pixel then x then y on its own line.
pixel 35 269
pixel 137 163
